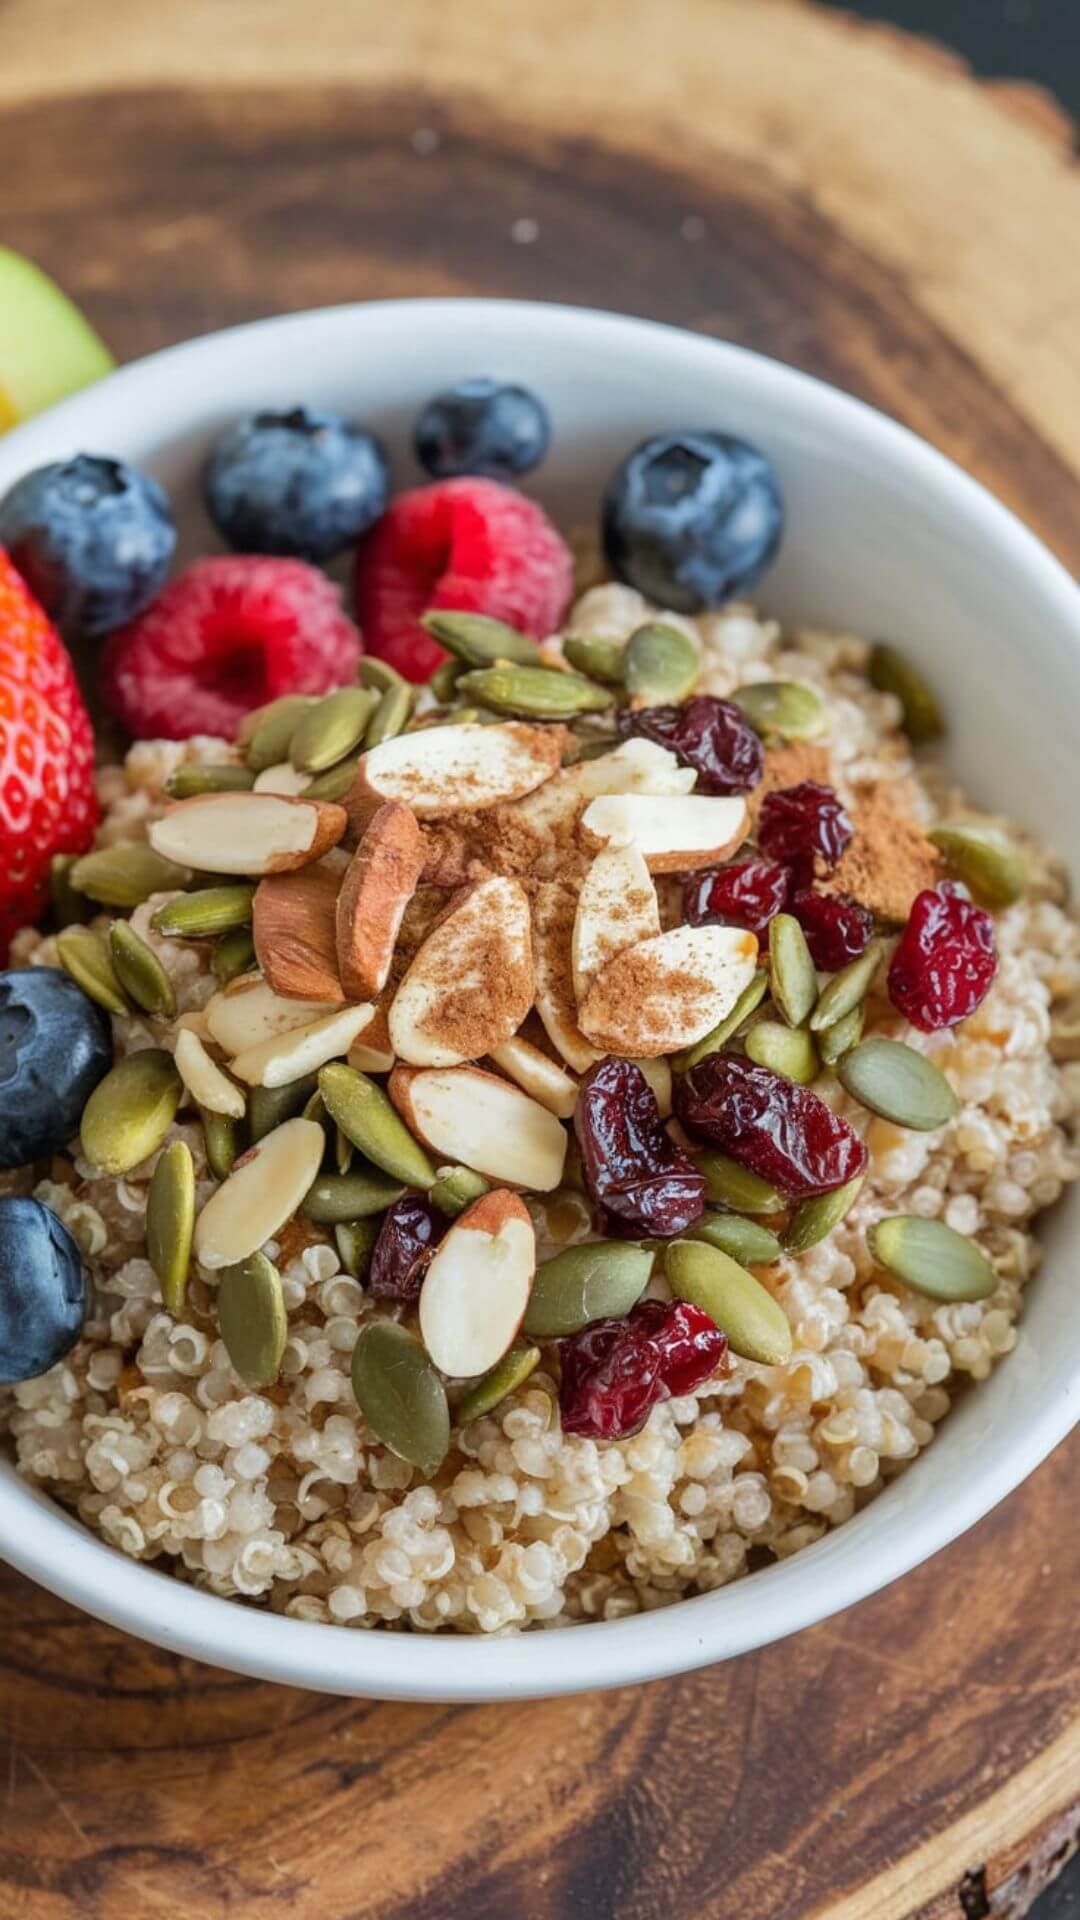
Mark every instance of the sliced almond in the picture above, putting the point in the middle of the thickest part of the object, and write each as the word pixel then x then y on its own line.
pixel 207 1084
pixel 471 984
pixel 540 1077
pixel 381 880
pixel 553 924
pixel 371 1051
pixel 637 766
pixel 472 1118
pixel 477 1287
pixel 674 832
pixel 454 769
pixel 263 1191
pixel 293 926
pixel 669 992
pixel 289 1056
pixel 250 833
pixel 617 907
pixel 249 1011
pixel 284 778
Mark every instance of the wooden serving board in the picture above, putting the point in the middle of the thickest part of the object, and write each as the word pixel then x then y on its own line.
pixel 852 202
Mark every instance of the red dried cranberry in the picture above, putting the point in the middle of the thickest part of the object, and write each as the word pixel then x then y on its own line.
pixel 781 1131
pixel 945 962
pixel 797 823
pixel 409 1234
pixel 633 1170
pixel 708 734
pixel 746 894
pixel 837 929
pixel 616 1371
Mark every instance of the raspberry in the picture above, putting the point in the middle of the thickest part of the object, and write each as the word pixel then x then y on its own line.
pixel 47 800
pixel 748 894
pixel 230 634
pixel 797 823
pixel 472 545
pixel 945 962
pixel 837 929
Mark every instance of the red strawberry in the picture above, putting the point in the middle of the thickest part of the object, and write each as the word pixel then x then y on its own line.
pixel 47 800
pixel 230 634
pixel 468 544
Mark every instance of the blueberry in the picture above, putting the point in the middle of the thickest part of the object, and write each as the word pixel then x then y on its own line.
pixel 690 519
pixel 92 538
pixel 480 426
pixel 44 1292
pixel 55 1045
pixel 302 484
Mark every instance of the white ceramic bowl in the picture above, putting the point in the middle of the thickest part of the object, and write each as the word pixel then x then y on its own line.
pixel 884 537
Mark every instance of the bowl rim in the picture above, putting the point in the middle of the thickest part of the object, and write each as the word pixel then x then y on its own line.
pixel 41 1540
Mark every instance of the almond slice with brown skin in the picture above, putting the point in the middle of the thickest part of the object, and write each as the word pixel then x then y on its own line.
pixel 293 925
pixel 668 992
pixel 381 880
pixel 263 1191
pixel 289 1056
pixel 471 1118
pixel 553 910
pixel 249 1011
pixel 454 769
pixel 617 907
pixel 471 984
pixel 675 833
pixel 540 1077
pixel 371 1051
pixel 248 833
pixel 477 1286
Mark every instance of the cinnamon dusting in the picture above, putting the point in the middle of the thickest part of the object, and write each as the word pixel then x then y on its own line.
pixel 890 859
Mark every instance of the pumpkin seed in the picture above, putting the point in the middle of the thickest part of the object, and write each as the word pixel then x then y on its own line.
pixel 379 674
pixel 789 1051
pixel 599 1281
pixel 743 1240
pixel 331 728
pixel 985 859
pixel 535 693
pixel 356 1244
pixel 125 876
pixel 267 733
pixel 932 1258
pixel 129 1112
pixel 233 955
pixel 891 672
pixel 69 908
pixel 756 1325
pixel 222 1135
pixel 660 664
pixel 84 955
pixel 505 1377
pixel 749 999
pixel 252 1319
pixel 597 658
pixel 480 641
pixel 783 709
pixel 735 1188
pixel 363 1111
pixel 269 1106
pixel 209 911
pixel 814 1220
pixel 193 778
pixel 456 1188
pixel 343 1151
pixel 898 1083
pixel 334 784
pixel 792 973
pixel 836 1040
pixel 170 1223
pixel 444 680
pixel 140 972
pixel 846 990
pixel 389 717
pixel 337 1198
pixel 400 1395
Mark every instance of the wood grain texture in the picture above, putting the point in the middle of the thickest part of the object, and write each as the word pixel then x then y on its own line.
pixel 856 205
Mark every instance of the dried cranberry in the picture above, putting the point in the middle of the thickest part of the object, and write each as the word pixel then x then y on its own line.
pixel 837 929
pixel 633 1170
pixel 409 1234
pixel 746 894
pixel 945 961
pixel 708 734
pixel 616 1371
pixel 781 1131
pixel 797 823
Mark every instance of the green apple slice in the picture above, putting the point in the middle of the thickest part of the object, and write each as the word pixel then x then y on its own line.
pixel 47 348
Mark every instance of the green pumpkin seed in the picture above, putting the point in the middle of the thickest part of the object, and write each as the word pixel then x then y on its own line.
pixel 932 1258
pixel 599 1281
pixel 443 681
pixel 84 955
pixel 192 779
pixel 140 972
pixel 505 1377
pixel 340 1198
pixel 69 908
pixel 792 973
pixel 534 693
pixel 756 1325
pixel 660 664
pixel 331 729
pixel 335 784
pixel 343 1151
pixel 838 1039
pixel 846 990
pixel 898 1083
pixel 363 1111
pixel 783 709
pixel 587 747
pixel 735 1188
pixel 814 1220
pixel 125 876
pixel 170 1223
pixel 401 1396
pixel 789 1051
pixel 985 859
pixel 891 672
pixel 267 733
pixel 379 675
pixel 390 716
pixel 479 641
pixel 595 657
pixel 252 1319
pixel 234 954
pixel 749 999
pixel 456 1188
pixel 356 1244
pixel 222 1136
pixel 202 915
pixel 268 1106
pixel 742 1240
pixel 129 1112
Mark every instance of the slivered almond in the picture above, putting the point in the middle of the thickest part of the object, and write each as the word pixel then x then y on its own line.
pixel 263 1191
pixel 668 992
pixel 553 923
pixel 293 922
pixel 477 1286
pixel 471 984
pixel 371 1051
pixel 637 766
pixel 375 892
pixel 289 1056
pixel 473 1119
pixel 284 778
pixel 453 769
pixel 204 1079
pixel 617 907
pixel 249 1011
pixel 249 833
pixel 543 1079
pixel 675 833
